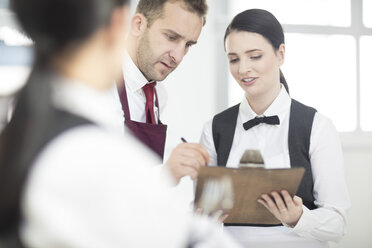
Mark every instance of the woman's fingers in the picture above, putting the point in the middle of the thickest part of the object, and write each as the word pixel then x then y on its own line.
pixel 285 208
pixel 279 202
pixel 268 202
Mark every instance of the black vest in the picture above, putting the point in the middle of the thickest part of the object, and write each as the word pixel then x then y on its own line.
pixel 17 171
pixel 300 125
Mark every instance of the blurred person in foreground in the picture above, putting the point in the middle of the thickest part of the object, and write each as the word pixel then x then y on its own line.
pixel 66 178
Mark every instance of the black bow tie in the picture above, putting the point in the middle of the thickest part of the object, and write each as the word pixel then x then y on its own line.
pixel 271 120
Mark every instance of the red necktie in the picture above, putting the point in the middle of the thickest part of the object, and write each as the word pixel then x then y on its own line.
pixel 148 89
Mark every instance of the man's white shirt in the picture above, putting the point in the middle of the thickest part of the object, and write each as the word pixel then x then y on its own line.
pixel 134 81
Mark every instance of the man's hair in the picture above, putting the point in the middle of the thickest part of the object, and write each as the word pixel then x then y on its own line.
pixel 153 9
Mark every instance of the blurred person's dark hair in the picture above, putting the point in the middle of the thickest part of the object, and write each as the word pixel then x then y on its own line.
pixel 261 22
pixel 56 27
pixel 153 9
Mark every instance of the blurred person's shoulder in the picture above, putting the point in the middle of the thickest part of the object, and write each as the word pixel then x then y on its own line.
pixel 90 147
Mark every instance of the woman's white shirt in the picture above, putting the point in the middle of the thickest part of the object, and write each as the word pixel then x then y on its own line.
pixel 328 221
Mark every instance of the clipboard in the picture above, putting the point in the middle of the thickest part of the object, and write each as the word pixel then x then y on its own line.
pixel 248 185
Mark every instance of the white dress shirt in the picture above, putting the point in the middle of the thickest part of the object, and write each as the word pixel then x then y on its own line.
pixel 316 227
pixel 90 187
pixel 134 81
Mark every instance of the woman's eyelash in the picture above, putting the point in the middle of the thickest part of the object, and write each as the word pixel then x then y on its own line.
pixel 256 57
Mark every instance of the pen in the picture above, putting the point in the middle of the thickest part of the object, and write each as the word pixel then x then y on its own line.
pixel 183 140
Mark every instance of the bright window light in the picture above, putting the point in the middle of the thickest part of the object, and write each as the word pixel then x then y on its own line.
pixel 367 13
pixel 366 82
pixel 314 12
pixel 321 72
pixel 12 78
pixel 13 37
pixel 4 4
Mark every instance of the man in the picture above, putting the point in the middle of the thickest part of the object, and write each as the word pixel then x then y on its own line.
pixel 161 33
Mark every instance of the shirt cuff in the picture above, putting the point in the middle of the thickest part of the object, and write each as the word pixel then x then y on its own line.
pixel 306 222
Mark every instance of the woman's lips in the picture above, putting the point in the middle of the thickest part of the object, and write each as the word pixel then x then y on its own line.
pixel 249 81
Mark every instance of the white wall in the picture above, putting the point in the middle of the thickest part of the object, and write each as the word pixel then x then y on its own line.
pixel 358 169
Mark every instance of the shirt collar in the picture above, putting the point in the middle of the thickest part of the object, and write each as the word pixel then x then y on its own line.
pixel 133 77
pixel 78 98
pixel 280 107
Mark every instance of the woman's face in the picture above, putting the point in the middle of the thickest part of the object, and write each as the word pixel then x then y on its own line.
pixel 254 63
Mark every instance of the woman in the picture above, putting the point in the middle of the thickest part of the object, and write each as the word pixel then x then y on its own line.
pixel 288 134
pixel 67 178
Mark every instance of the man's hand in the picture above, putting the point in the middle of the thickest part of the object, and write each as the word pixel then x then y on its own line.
pixel 285 208
pixel 186 160
pixel 219 216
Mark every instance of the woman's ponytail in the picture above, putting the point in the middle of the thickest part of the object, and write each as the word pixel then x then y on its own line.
pixel 283 81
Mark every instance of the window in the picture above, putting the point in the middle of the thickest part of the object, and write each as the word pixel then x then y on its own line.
pixel 366 83
pixel 314 82
pixel 328 58
pixel 301 12
pixel 16 53
pixel 367 17
pixel 4 4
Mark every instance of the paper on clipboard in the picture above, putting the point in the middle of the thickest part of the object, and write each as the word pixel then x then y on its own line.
pixel 248 185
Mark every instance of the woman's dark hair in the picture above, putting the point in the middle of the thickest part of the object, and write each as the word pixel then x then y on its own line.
pixel 261 22
pixel 54 25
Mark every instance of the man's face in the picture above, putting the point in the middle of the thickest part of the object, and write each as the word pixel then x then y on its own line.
pixel 163 45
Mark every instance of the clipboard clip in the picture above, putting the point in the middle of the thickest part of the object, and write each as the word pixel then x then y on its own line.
pixel 251 159
pixel 217 195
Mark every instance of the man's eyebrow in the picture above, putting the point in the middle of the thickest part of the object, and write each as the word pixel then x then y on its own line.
pixel 192 42
pixel 174 33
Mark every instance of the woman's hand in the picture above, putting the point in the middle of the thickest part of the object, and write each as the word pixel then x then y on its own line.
pixel 285 208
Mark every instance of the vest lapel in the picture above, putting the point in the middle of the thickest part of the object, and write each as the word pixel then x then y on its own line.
pixel 299 133
pixel 223 129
